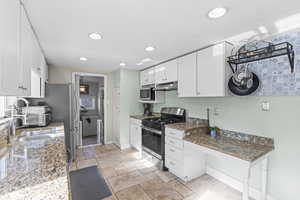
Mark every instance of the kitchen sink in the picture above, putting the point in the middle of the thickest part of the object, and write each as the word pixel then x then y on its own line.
pixel 33 138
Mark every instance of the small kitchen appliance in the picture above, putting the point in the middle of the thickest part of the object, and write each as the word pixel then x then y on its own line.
pixel 147 109
pixel 147 93
pixel 153 133
pixel 37 116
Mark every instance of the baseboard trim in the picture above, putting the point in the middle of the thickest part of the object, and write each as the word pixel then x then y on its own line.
pixel 109 142
pixel 234 183
pixel 125 146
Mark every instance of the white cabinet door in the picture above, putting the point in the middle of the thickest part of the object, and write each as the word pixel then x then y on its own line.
pixel 171 71
pixel 187 73
pixel 9 47
pixel 37 70
pixel 35 84
pixel 211 71
pixel 147 77
pixel 136 136
pixel 166 72
pixel 132 135
pixel 160 74
pixel 142 77
pixel 151 75
pixel 26 55
pixel 44 77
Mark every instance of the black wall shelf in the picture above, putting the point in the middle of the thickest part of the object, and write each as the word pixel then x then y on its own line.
pixel 273 50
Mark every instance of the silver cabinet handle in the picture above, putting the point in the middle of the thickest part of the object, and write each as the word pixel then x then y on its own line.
pixel 22 87
pixel 171 163
pixel 172 150
pixel 171 142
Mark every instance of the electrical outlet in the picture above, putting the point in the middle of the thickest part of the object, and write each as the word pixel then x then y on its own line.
pixel 265 106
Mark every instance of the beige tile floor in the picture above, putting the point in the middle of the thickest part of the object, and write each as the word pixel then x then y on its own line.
pixel 131 177
pixel 89 140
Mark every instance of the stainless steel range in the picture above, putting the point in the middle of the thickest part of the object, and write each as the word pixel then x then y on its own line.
pixel 153 132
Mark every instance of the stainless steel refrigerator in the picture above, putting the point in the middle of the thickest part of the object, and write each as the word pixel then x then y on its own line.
pixel 58 97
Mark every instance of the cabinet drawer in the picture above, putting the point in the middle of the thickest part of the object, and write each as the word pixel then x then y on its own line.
pixel 174 133
pixel 174 153
pixel 135 121
pixel 174 167
pixel 178 143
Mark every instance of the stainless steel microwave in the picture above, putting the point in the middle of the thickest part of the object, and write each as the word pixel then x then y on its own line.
pixel 147 94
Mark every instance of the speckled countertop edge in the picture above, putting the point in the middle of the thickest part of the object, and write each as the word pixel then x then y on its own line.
pixel 60 139
pixel 244 150
pixel 141 117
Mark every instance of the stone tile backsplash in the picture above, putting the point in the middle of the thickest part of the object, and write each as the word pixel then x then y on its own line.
pixel 275 74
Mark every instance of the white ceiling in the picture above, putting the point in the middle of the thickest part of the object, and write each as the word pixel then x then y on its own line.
pixel 174 27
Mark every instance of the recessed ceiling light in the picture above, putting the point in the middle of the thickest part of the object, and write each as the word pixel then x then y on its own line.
pixel 139 64
pixel 150 48
pixel 83 58
pixel 146 60
pixel 217 13
pixel 95 36
pixel 122 64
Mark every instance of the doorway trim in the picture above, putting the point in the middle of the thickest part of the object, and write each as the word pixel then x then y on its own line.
pixel 74 74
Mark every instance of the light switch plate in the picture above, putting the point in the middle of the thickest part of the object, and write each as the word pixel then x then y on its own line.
pixel 265 106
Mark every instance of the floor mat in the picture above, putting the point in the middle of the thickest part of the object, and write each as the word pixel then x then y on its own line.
pixel 88 184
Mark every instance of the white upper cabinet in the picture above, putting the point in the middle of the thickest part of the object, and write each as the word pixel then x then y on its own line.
pixel 22 64
pixel 187 73
pixel 147 77
pixel 212 71
pixel 38 71
pixel 9 47
pixel 166 72
pixel 27 55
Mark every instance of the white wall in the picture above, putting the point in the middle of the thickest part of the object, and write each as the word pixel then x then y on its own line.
pixel 129 89
pixel 128 83
pixel 60 75
pixel 244 114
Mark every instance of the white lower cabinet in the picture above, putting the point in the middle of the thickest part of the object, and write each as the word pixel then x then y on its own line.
pixel 182 158
pixel 136 134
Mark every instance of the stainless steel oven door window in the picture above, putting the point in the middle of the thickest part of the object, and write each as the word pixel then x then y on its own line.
pixel 152 141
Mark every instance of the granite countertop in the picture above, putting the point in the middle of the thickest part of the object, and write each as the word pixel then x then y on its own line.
pixel 35 165
pixel 141 117
pixel 239 145
pixel 187 126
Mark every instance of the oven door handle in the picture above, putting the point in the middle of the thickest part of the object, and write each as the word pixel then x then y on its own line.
pixel 152 130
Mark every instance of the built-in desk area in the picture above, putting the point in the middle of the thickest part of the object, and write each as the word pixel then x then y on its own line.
pixel 187 150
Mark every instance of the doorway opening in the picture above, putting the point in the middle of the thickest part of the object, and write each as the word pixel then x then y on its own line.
pixel 89 108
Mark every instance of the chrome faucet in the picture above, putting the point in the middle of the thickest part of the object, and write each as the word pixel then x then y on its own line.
pixel 14 111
